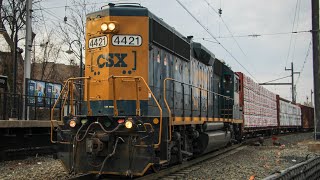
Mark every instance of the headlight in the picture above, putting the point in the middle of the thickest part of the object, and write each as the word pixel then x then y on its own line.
pixel 111 26
pixel 72 123
pixel 104 27
pixel 128 124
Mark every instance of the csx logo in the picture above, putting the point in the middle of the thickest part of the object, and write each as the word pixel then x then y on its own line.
pixel 112 60
pixel 116 60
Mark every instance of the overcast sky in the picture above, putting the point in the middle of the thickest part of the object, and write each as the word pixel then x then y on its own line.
pixel 265 56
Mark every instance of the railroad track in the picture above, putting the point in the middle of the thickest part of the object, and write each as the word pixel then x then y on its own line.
pixel 181 170
pixel 176 171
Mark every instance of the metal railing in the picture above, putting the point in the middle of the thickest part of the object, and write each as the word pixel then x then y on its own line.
pixel 137 80
pixel 309 169
pixel 67 96
pixel 36 107
pixel 225 109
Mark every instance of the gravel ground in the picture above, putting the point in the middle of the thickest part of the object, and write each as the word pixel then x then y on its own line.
pixel 257 162
pixel 33 168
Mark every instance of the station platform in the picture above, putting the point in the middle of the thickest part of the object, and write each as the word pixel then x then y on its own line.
pixel 27 123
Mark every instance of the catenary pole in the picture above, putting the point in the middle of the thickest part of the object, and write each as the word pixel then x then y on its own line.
pixel 316 64
pixel 27 59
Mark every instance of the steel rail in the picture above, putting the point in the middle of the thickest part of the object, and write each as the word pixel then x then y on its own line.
pixel 187 164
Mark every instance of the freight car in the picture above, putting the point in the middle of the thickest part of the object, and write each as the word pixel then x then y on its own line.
pixel 152 98
pixel 259 106
pixel 289 114
pixel 307 117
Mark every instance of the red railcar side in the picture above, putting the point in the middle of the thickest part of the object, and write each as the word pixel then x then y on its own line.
pixel 307 117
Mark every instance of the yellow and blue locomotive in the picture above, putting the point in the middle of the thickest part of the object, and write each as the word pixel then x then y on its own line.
pixel 152 97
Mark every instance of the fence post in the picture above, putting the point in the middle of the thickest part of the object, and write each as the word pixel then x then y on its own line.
pixel 35 107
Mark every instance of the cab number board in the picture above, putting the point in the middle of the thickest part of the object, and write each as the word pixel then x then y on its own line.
pixel 126 40
pixel 97 42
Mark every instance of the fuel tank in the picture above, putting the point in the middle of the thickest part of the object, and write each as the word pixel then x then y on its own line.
pixel 212 126
pixel 212 140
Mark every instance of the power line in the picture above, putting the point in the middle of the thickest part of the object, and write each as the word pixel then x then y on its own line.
pixel 53 15
pixel 44 23
pixel 305 60
pixel 74 5
pixel 294 19
pixel 210 41
pixel 259 35
pixel 215 38
pixel 219 14
pixel 297 25
pixel 54 32
pixel 278 79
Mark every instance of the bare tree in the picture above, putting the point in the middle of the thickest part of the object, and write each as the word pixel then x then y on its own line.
pixel 12 24
pixel 46 59
pixel 73 28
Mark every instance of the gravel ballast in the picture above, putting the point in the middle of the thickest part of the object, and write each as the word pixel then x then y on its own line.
pixel 251 161
pixel 257 162
pixel 33 168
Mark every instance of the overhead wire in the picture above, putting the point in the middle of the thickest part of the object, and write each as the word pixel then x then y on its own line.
pixel 226 27
pixel 215 39
pixel 73 5
pixel 51 14
pixel 265 34
pixel 59 19
pixel 294 20
pixel 44 22
pixel 304 63
pixel 297 25
pixel 278 79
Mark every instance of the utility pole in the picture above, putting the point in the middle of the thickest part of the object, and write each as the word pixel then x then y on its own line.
pixel 316 65
pixel 293 87
pixel 15 61
pixel 27 59
pixel 292 82
pixel 311 97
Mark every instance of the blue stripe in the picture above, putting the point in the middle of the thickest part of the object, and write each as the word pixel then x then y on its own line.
pixel 125 108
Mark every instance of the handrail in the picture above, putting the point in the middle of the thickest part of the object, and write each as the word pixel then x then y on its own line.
pixel 227 97
pixel 149 90
pixel 65 92
pixel 183 83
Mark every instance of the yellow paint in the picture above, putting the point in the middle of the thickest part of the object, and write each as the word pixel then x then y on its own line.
pixel 101 88
pixel 198 120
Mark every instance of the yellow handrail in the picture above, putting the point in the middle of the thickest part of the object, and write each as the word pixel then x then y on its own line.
pixel 67 88
pixel 167 105
pixel 149 90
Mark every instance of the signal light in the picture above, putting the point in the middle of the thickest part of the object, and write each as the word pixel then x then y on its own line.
pixel 128 124
pixel 83 121
pixel 120 121
pixel 72 123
